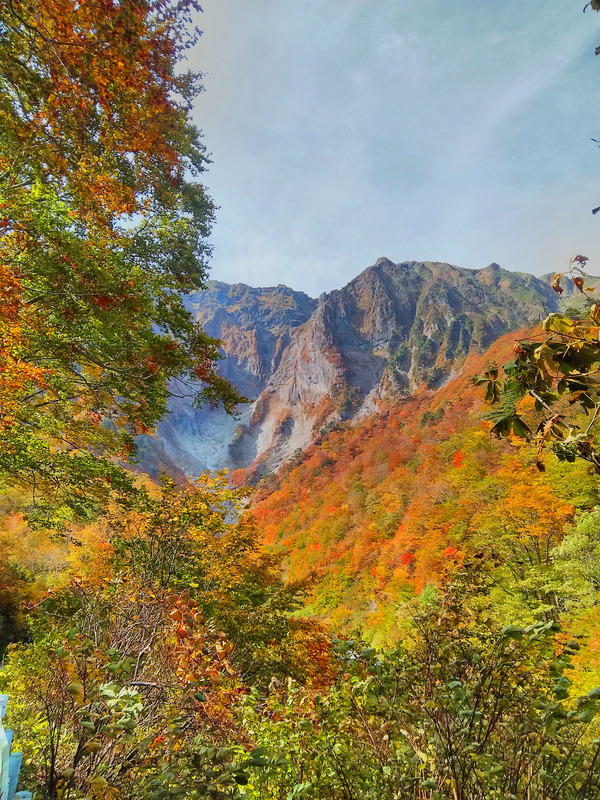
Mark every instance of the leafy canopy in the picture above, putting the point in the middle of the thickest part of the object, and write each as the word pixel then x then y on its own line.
pixel 103 226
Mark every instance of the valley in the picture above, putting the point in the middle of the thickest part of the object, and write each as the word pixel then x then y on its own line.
pixel 367 444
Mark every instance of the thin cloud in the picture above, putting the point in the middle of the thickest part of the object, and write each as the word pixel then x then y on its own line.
pixel 347 130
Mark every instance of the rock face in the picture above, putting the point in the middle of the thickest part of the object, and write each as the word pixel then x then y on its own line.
pixel 255 327
pixel 305 364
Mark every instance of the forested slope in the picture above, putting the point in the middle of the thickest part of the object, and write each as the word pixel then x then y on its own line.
pixel 378 512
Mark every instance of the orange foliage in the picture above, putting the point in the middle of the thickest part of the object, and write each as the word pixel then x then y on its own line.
pixel 381 510
pixel 15 373
pixel 109 69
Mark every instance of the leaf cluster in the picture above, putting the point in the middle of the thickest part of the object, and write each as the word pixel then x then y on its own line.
pixel 557 373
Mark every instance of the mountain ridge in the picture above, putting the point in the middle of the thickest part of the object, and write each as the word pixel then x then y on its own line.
pixel 307 363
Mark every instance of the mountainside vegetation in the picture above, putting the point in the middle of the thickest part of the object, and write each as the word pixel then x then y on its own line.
pixel 435 634
pixel 379 513
pixel 407 608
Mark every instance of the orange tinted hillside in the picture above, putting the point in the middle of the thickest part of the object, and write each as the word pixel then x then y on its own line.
pixel 378 511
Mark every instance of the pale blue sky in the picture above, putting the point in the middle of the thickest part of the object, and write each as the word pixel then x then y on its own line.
pixel 345 130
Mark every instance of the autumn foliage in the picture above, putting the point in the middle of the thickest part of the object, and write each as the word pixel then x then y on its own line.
pixel 103 226
pixel 93 104
pixel 166 640
pixel 380 512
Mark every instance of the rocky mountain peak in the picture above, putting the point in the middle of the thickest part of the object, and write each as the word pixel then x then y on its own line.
pixel 384 262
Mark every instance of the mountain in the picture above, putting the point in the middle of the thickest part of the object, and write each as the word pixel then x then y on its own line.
pixel 255 327
pixel 306 365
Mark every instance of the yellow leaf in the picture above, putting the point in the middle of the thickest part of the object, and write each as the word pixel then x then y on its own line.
pixel 76 690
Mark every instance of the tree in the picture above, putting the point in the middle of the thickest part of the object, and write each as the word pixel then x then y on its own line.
pixel 467 712
pixel 554 375
pixel 103 228
pixel 118 684
pixel 202 541
pixel 129 684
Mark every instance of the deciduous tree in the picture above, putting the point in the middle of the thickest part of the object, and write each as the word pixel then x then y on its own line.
pixel 103 226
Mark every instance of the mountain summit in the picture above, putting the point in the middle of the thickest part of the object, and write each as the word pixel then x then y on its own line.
pixel 306 364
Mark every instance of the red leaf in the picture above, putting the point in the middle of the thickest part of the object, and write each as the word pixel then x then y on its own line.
pixel 450 552
pixel 458 459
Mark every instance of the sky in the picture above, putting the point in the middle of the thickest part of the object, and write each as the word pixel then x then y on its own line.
pixel 341 131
